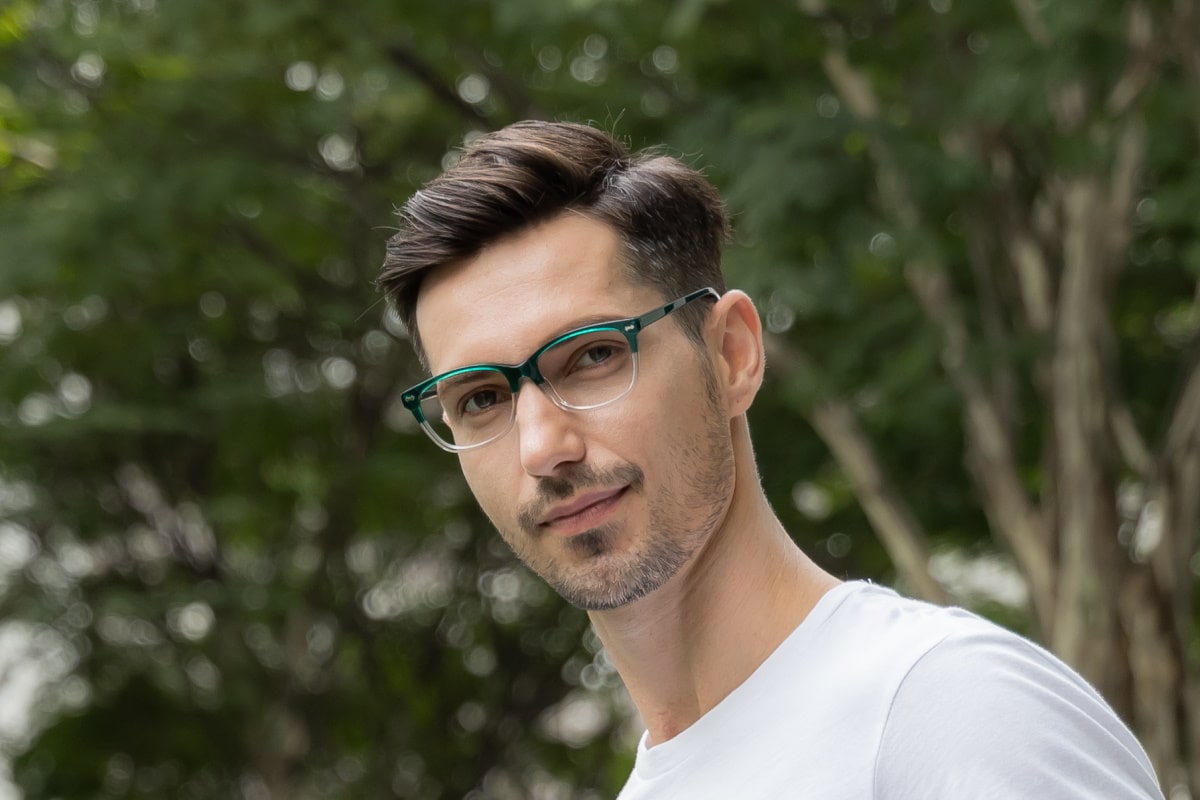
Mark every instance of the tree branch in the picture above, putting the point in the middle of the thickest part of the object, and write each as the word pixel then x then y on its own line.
pixel 518 100
pixel 1008 506
pixel 1019 238
pixel 1033 276
pixel 1027 11
pixel 891 518
pixel 1122 197
pixel 1176 476
pixel 1122 191
pixel 850 84
pixel 1011 512
pixel 1130 444
pixel 1142 68
pixel 408 61
pixel 1004 381
pixel 1079 375
pixel 1183 432
pixel 1183 34
pixel 1156 667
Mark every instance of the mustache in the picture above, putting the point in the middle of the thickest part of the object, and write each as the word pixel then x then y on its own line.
pixel 573 480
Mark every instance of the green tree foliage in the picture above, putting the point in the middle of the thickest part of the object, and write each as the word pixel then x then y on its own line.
pixel 241 572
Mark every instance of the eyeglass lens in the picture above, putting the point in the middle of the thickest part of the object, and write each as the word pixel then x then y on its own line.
pixel 583 371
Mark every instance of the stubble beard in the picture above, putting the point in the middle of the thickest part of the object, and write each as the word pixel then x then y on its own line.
pixel 605 577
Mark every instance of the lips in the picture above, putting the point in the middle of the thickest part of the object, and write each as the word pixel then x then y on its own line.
pixel 581 509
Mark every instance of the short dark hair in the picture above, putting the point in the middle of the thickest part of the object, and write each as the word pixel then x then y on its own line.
pixel 671 220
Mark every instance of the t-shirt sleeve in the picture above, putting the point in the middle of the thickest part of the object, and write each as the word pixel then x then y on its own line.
pixel 990 716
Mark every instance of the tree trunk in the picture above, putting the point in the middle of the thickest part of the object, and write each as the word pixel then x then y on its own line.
pixel 1119 614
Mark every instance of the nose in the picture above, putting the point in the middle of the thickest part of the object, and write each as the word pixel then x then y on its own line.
pixel 548 434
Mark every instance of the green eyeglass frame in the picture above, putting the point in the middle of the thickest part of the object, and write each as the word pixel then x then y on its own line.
pixel 629 327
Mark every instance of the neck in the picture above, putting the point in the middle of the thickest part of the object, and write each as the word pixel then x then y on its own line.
pixel 684 647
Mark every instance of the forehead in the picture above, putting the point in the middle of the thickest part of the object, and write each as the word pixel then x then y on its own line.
pixel 502 303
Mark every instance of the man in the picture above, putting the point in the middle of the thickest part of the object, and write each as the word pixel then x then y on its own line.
pixel 593 373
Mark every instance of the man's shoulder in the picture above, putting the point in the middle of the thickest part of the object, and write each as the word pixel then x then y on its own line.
pixel 987 711
pixel 957 650
pixel 873 618
pixel 954 658
pixel 859 647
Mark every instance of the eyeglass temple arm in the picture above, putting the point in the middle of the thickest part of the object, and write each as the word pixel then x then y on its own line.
pixel 659 313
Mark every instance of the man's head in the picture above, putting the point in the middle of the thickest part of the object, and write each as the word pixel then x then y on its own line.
pixel 670 220
pixel 542 230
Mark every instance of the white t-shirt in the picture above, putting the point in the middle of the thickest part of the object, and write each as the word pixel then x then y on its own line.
pixel 877 697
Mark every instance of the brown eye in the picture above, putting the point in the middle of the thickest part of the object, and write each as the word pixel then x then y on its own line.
pixel 596 355
pixel 479 402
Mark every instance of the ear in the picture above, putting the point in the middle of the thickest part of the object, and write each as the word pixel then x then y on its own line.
pixel 736 333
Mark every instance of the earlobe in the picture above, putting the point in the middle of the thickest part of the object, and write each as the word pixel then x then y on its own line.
pixel 741 357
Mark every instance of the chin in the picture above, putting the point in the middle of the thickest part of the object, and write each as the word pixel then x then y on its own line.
pixel 609 578
pixel 605 598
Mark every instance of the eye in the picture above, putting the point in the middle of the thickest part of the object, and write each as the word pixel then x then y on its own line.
pixel 595 354
pixel 471 397
pixel 480 401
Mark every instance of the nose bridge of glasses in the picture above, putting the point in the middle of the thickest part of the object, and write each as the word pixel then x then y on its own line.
pixel 528 370
pixel 532 372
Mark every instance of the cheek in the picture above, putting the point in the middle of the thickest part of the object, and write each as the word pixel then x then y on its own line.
pixel 630 431
pixel 672 396
pixel 649 426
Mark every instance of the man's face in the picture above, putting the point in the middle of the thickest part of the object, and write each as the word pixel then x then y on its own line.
pixel 606 505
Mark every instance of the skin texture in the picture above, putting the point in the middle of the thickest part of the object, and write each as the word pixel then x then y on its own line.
pixel 687 575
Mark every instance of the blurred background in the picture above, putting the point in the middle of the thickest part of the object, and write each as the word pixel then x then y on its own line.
pixel 231 568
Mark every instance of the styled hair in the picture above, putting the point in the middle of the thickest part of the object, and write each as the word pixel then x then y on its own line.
pixel 670 220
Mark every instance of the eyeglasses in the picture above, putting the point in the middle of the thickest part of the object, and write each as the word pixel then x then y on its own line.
pixel 580 370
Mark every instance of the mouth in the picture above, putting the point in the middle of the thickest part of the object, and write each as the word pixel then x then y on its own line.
pixel 584 512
